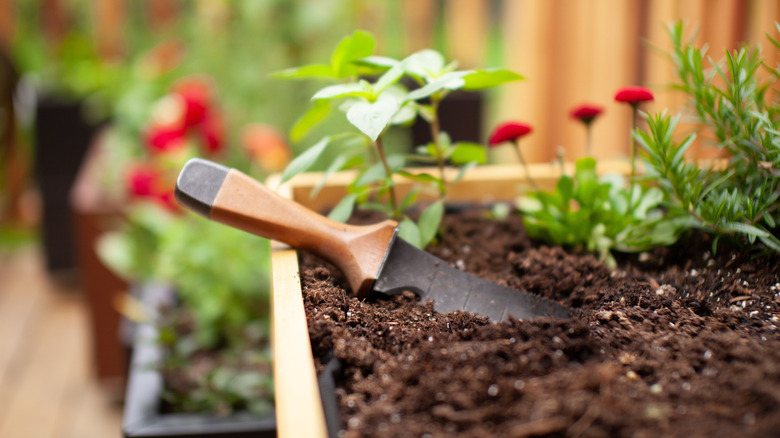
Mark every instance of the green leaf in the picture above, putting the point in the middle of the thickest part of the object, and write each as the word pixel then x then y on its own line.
pixel 450 81
pixel 406 115
pixel 426 64
pixel 409 199
pixel 421 177
pixel 748 229
pixel 307 72
pixel 409 231
pixel 481 79
pixel 359 45
pixel 343 210
pixel 304 161
pixel 771 242
pixel 378 61
pixel 565 188
pixel 356 89
pixel 388 78
pixel 465 152
pixel 315 114
pixel 372 118
pixel 429 222
pixel 463 169
pixel 114 249
pixel 377 171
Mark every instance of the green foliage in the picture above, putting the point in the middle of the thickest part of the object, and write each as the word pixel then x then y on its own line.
pixel 219 273
pixel 740 199
pixel 595 214
pixel 371 91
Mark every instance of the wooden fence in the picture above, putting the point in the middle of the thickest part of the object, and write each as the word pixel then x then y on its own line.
pixel 570 51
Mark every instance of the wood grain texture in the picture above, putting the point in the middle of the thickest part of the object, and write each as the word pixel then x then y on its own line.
pixel 482 184
pixel 47 385
pixel 298 404
pixel 358 251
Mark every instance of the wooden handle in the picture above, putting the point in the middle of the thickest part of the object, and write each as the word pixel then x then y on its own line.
pixel 244 203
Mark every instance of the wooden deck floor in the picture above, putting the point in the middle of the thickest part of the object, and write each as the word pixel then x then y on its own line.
pixel 47 387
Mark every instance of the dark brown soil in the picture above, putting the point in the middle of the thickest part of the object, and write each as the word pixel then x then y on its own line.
pixel 676 342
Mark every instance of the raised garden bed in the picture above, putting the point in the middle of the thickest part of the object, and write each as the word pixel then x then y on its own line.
pixel 674 342
pixel 143 413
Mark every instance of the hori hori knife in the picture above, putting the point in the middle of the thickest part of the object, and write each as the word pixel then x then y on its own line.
pixel 372 257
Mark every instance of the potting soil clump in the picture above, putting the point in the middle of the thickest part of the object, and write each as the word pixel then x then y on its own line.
pixel 675 342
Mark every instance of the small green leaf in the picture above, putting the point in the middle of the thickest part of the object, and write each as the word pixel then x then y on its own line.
pixel 421 177
pixel 316 114
pixel 429 222
pixel 463 169
pixel 408 231
pixel 748 229
pixel 343 210
pixel 481 79
pixel 356 89
pixel 307 72
pixel 388 78
pixel 425 64
pixel 409 199
pixel 465 152
pixel 304 161
pixel 565 188
pixel 356 46
pixel 378 61
pixel 372 118
pixel 450 81
pixel 377 171
pixel 406 115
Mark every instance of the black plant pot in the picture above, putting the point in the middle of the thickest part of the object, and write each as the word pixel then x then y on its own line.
pixel 142 416
pixel 62 137
pixel 460 115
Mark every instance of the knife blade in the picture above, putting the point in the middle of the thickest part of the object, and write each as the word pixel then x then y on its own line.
pixel 372 257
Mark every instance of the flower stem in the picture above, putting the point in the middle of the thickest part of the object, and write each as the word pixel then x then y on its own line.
pixel 436 138
pixel 525 166
pixel 589 144
pixel 389 173
pixel 633 158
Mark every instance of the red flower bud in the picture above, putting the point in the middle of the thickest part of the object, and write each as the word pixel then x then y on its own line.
pixel 633 95
pixel 197 95
pixel 509 131
pixel 586 113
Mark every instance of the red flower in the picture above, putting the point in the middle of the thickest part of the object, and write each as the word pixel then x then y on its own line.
pixel 165 138
pixel 196 92
pixel 212 130
pixel 586 113
pixel 141 180
pixel 509 131
pixel 633 95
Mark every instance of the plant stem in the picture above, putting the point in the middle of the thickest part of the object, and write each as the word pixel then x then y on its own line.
pixel 436 138
pixel 589 144
pixel 389 173
pixel 633 144
pixel 633 158
pixel 525 166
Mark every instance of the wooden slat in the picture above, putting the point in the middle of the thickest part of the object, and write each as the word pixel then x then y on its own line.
pixel 419 17
pixel 298 404
pixel 482 184
pixel 466 24
pixel 45 382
